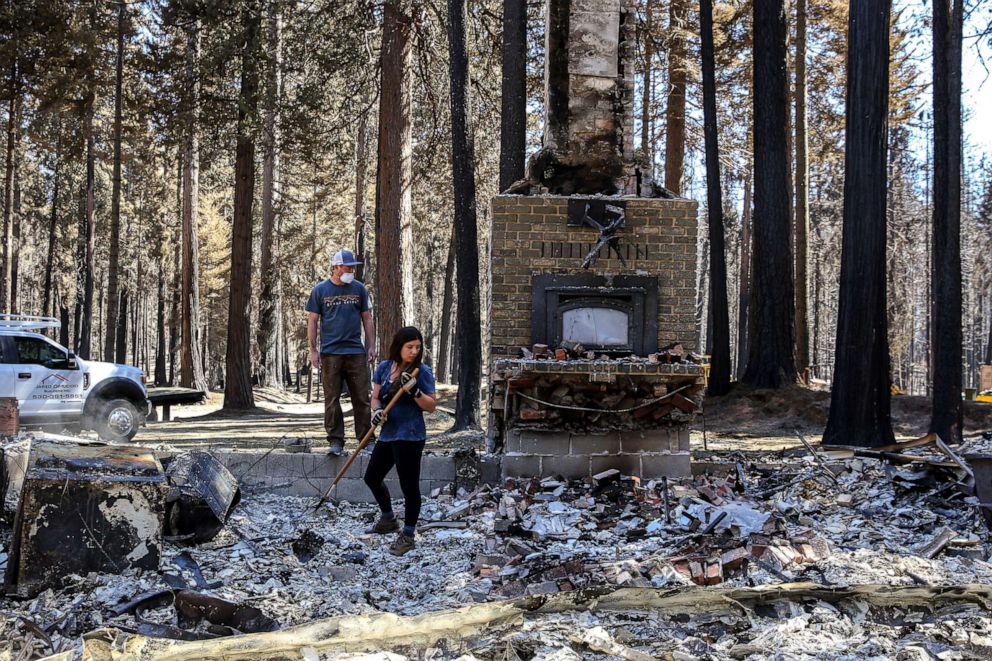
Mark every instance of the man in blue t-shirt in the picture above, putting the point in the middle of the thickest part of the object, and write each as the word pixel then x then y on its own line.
pixel 340 305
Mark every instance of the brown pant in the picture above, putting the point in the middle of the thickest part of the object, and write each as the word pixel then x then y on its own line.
pixel 334 370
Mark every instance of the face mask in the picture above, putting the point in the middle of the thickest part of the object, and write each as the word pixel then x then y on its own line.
pixel 347 278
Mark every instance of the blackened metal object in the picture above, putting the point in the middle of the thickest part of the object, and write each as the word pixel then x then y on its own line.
pixel 202 493
pixel 83 508
pixel 191 607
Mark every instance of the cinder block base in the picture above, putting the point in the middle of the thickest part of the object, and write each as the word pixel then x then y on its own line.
pixel 665 439
pixel 627 464
pixel 570 467
pixel 654 466
pixel 547 443
pixel 309 474
pixel 645 453
pixel 595 443
pixel 520 465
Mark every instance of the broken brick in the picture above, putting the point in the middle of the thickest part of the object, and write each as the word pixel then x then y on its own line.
pixel 733 558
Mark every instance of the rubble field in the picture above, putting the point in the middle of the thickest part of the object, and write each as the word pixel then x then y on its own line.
pixel 787 555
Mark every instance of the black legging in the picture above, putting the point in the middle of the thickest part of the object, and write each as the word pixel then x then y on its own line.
pixel 405 456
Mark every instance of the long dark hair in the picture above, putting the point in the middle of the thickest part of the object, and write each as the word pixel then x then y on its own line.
pixel 404 335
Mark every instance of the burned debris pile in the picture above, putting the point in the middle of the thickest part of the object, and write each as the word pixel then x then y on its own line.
pixel 702 532
pixel 89 507
pixel 818 548
pixel 578 390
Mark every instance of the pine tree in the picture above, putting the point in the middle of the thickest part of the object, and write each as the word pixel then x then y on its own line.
pixel 770 326
pixel 859 402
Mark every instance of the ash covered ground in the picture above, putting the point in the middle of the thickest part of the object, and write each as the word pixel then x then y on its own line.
pixel 785 520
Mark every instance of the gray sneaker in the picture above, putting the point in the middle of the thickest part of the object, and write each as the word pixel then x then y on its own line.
pixel 384 526
pixel 402 544
pixel 336 449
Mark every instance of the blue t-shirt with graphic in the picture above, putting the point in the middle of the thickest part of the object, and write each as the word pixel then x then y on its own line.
pixel 405 421
pixel 340 308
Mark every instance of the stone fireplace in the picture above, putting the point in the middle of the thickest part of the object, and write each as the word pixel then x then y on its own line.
pixel 638 298
pixel 593 274
pixel 535 253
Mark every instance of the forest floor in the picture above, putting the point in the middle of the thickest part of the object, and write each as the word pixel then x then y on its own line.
pixel 745 419
pixel 283 414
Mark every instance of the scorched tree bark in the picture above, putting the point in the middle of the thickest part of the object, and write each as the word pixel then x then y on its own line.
pixel 860 395
pixel 675 108
pixel 190 359
pixel 393 182
pixel 466 234
pixel 719 381
pixel 947 412
pixel 113 263
pixel 269 303
pixel 513 114
pixel 770 361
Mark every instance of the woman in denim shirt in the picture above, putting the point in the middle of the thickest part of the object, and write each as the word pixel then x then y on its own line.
pixel 403 434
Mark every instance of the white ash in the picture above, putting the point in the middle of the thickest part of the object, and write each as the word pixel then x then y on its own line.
pixel 876 539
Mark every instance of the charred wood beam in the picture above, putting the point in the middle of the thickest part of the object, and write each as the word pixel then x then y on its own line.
pixel 381 631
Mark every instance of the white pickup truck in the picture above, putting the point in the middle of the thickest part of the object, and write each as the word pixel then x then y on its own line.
pixel 54 387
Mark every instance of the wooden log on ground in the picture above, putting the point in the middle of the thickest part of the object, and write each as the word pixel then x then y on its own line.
pixel 382 631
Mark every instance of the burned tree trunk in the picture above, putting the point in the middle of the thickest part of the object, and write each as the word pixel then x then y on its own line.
pixel 237 382
pixel 393 183
pixel 120 329
pixel 177 269
pixel 859 401
pixel 113 263
pixel 946 418
pixel 447 303
pixel 802 194
pixel 63 320
pixel 84 294
pixel 648 85
pixel 139 285
pixel 466 239
pixel 770 361
pixel 15 234
pixel 513 101
pixel 53 226
pixel 270 303
pixel 361 188
pixel 988 343
pixel 675 108
pixel 190 361
pixel 744 280
pixel 719 381
pixel 160 350
pixel 8 190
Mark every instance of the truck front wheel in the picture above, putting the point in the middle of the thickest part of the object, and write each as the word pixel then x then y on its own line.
pixel 118 420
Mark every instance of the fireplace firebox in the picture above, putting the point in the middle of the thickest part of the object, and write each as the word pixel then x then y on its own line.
pixel 613 315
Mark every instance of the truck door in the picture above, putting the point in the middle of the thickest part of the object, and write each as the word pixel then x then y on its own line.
pixel 47 389
pixel 8 378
